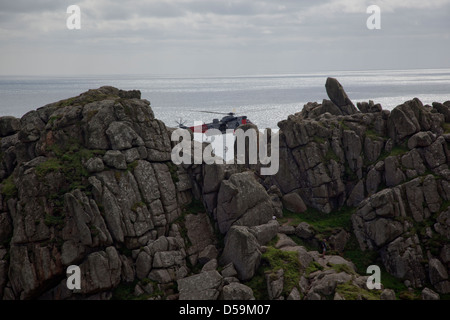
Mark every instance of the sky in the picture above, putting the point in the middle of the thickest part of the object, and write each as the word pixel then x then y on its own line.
pixel 221 37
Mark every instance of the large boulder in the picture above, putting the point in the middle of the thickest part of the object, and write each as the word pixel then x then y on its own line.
pixel 243 250
pixel 200 234
pixel 338 96
pixel 304 231
pixel 202 286
pixel 237 291
pixel 410 118
pixel 326 284
pixel 428 294
pixel 293 202
pixel 265 232
pixel 421 139
pixel 243 201
pixel 443 109
pixel 8 126
pixel 439 276
pixel 388 294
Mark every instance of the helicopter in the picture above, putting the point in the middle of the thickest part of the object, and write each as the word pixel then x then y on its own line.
pixel 229 121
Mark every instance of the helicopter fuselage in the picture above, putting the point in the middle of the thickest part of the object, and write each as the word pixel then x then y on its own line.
pixel 226 123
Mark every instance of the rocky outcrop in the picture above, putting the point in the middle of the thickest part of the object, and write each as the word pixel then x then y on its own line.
pixel 97 176
pixel 394 222
pixel 336 159
pixel 88 181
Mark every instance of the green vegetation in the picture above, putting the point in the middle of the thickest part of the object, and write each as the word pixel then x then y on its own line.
pixel 313 267
pixel 391 282
pixel 361 259
pixel 342 268
pixel 273 242
pixel 370 133
pixel 435 244
pixel 259 285
pixel 331 156
pixel 288 261
pixel 54 220
pixel 69 162
pixel 67 102
pixel 349 174
pixel 324 225
pixel 319 140
pixel 131 166
pixel 52 119
pixel 351 292
pixel 408 295
pixel 7 244
pixel 88 97
pixel 125 106
pixel 396 151
pixel 292 218
pixel 446 127
pixel 271 261
pixel 8 187
pixel 51 165
pixel 125 291
pixel 308 245
pixel 321 222
pixel 444 205
pixel 343 125
pixel 195 207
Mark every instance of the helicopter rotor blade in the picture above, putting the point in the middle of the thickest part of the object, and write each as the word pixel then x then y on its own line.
pixel 233 112
pixel 213 112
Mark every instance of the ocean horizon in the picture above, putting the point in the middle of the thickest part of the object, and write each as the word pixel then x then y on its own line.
pixel 265 99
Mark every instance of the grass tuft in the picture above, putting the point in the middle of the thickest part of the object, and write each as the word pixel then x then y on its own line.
pixel 8 187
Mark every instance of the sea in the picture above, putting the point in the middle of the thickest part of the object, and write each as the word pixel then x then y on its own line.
pixel 264 99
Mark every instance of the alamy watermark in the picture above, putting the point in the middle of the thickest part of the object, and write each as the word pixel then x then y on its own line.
pixel 257 148
pixel 74 277
pixel 73 22
pixel 374 281
pixel 374 20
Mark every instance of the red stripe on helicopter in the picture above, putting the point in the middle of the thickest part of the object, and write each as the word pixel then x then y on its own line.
pixel 203 128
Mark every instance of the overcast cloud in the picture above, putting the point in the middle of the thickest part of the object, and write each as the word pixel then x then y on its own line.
pixel 221 36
